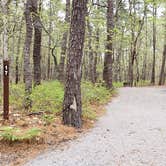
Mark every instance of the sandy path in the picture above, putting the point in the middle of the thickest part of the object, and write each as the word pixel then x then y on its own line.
pixel 132 133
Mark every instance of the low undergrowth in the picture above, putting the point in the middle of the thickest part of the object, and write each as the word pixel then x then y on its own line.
pixel 13 134
pixel 27 133
pixel 47 100
pixel 143 83
pixel 94 95
pixel 118 84
pixel 48 97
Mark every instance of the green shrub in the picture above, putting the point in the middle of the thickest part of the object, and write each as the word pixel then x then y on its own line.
pixel 118 84
pixel 17 95
pixel 48 97
pixel 14 134
pixel 93 94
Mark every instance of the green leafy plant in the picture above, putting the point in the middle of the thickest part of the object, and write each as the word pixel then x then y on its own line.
pixel 88 113
pixel 94 94
pixel 12 134
pixel 48 98
pixel 118 84
pixel 17 96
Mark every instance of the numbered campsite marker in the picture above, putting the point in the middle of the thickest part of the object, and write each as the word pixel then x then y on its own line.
pixel 6 89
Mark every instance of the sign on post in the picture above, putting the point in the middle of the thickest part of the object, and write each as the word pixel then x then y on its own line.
pixel 6 89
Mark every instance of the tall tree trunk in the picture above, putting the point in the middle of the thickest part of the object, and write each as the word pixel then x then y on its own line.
pixel 118 60
pixel 108 60
pixel 162 73
pixel 72 106
pixel 90 52
pixel 18 53
pixel 4 9
pixel 135 38
pixel 49 43
pixel 64 44
pixel 133 46
pixel 55 68
pixel 4 5
pixel 137 70
pixel 96 56
pixel 37 44
pixel 95 77
pixel 84 65
pixel 144 69
pixel 154 43
pixel 27 47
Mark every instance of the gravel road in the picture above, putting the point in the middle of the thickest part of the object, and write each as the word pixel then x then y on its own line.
pixel 132 133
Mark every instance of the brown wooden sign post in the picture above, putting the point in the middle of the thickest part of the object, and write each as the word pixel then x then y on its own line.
pixel 6 89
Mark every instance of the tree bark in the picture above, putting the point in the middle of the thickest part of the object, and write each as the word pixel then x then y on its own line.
pixel 49 43
pixel 90 52
pixel 72 106
pixel 4 5
pixel 162 73
pixel 27 47
pixel 18 53
pixel 37 45
pixel 108 60
pixel 144 69
pixel 64 44
pixel 154 43
pixel 96 56
pixel 54 73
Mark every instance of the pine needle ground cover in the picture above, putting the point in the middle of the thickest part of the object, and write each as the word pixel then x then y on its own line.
pixel 29 132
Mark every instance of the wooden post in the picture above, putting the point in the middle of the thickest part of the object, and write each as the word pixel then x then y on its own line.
pixel 6 89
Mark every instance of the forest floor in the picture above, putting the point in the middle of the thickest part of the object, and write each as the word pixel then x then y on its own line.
pixel 53 135
pixel 27 133
pixel 132 133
